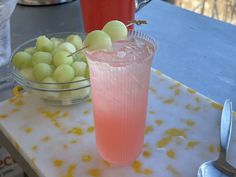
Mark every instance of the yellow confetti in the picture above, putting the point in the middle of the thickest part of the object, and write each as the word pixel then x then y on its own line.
pixel 197 99
pixel 216 106
pixel 86 112
pixel 90 129
pixel 191 91
pixel 3 116
pixel 169 101
pixel 86 158
pixel 70 170
pixel 211 148
pixel 34 148
pixel 147 154
pixel 192 144
pixel 17 91
pixel 75 131
pixel 197 108
pixel 15 110
pixel 73 141
pixel 173 171
pixel 95 172
pixel 152 112
pixel 28 130
pixel 170 153
pixel 164 141
pixel 190 122
pixel 175 86
pixel 65 114
pixel 148 171
pixel 158 72
pixel 58 163
pixel 159 122
pixel 137 166
pixel 148 129
pixel 45 138
pixel 175 132
pixel 177 92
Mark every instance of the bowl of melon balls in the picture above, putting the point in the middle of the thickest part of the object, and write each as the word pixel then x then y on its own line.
pixel 50 68
pixel 54 67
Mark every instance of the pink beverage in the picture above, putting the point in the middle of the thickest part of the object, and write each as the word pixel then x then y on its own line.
pixel 120 82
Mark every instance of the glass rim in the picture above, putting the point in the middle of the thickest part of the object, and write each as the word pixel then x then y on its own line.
pixel 138 34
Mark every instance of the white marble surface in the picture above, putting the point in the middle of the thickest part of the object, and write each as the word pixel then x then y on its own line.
pixel 182 131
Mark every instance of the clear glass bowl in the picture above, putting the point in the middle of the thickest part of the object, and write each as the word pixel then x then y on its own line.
pixel 67 93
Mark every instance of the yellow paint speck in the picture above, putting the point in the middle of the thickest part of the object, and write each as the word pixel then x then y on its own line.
pixel 34 147
pixel 75 131
pixel 86 112
pixel 70 170
pixel 177 92
pixel 58 163
pixel 197 99
pixel 90 129
pixel 73 141
pixel 45 138
pixel 170 153
pixel 216 106
pixel 159 122
pixel 169 101
pixel 3 116
pixel 152 112
pixel 175 86
pixel 28 130
pixel 95 172
pixel 65 114
pixel 86 158
pixel 164 141
pixel 191 91
pixel 192 144
pixel 175 132
pixel 211 148
pixel 148 129
pixel 158 72
pixel 190 122
pixel 147 171
pixel 147 154
pixel 173 171
pixel 137 166
pixel 15 110
pixel 197 108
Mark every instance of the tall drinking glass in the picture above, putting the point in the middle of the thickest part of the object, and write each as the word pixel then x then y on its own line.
pixel 96 13
pixel 119 84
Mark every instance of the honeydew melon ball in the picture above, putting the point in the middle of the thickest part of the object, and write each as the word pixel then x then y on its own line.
pixel 116 30
pixel 41 71
pixel 53 95
pixel 79 68
pixel 80 93
pixel 56 41
pixel 44 44
pixel 30 50
pixel 21 59
pixel 27 73
pixel 66 46
pixel 64 73
pixel 98 40
pixel 41 57
pixel 62 57
pixel 75 40
pixel 80 56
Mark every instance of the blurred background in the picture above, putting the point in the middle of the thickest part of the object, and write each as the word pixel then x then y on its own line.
pixel 224 10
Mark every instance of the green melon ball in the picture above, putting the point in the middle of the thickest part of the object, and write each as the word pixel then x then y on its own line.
pixel 79 68
pixel 116 30
pixel 41 57
pixel 27 73
pixel 56 41
pixel 62 57
pixel 21 59
pixel 98 40
pixel 64 73
pixel 41 71
pixel 44 44
pixel 30 50
pixel 66 46
pixel 75 40
pixel 80 93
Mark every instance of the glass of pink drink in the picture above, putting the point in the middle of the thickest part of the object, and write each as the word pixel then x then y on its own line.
pixel 120 83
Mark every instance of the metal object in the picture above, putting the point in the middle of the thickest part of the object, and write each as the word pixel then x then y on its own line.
pixel 42 2
pixel 140 4
pixel 220 167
